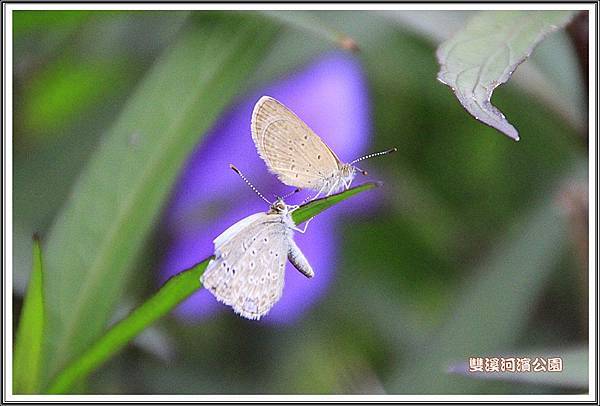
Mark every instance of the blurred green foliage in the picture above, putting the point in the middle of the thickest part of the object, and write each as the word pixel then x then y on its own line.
pixel 456 195
pixel 60 93
pixel 172 293
pixel 28 356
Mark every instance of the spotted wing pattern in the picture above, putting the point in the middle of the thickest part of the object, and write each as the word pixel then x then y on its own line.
pixel 247 272
pixel 290 149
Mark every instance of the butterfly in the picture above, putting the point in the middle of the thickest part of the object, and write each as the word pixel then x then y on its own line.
pixel 247 272
pixel 295 154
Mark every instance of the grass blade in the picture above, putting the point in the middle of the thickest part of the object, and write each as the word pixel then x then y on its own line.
pixel 28 347
pixel 315 207
pixel 119 195
pixel 173 292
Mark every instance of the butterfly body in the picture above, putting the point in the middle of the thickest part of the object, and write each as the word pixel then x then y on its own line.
pixel 339 180
pixel 247 272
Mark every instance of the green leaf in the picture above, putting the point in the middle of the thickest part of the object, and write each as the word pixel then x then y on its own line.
pixel 120 193
pixel 28 347
pixel 315 207
pixel 482 319
pixel 173 292
pixel 486 52
pixel 574 374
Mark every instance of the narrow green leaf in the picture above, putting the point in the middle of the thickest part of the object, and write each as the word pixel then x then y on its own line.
pixel 119 195
pixel 574 373
pixel 173 292
pixel 28 347
pixel 486 52
pixel 315 207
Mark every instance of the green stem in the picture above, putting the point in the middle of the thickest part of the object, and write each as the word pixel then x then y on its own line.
pixel 173 292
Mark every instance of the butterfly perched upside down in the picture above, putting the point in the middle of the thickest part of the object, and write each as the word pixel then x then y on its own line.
pixel 247 272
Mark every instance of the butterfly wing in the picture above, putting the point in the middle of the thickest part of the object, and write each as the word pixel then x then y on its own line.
pixel 290 149
pixel 247 272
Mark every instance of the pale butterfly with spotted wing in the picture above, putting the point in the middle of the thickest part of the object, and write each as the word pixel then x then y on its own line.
pixel 247 272
pixel 295 154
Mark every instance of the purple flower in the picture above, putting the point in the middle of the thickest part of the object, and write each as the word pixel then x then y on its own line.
pixel 331 96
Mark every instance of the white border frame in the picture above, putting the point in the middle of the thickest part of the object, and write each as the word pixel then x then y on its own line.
pixel 8 8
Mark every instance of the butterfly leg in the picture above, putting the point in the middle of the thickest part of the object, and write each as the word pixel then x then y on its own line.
pixel 319 192
pixel 333 187
pixel 290 193
pixel 306 200
pixel 300 230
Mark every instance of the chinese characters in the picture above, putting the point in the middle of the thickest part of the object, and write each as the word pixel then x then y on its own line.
pixel 515 364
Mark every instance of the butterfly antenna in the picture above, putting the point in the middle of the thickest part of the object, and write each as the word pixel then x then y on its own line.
pixel 361 170
pixel 373 155
pixel 276 196
pixel 236 170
